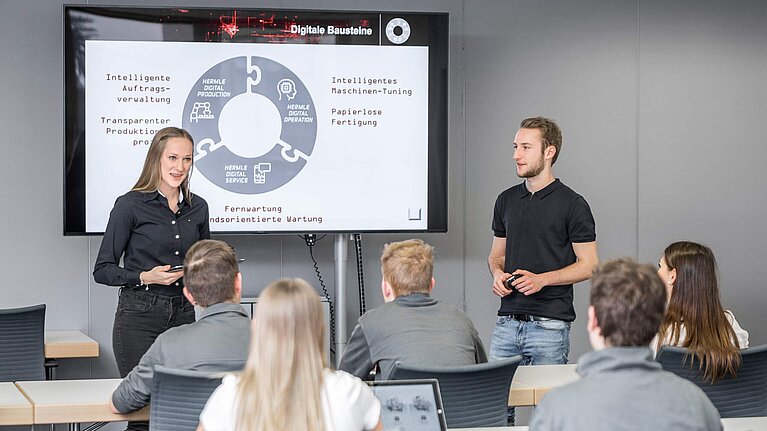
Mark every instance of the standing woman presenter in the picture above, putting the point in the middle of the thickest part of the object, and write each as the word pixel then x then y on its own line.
pixel 151 227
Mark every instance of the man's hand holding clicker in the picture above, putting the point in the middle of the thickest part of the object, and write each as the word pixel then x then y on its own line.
pixel 498 287
pixel 528 283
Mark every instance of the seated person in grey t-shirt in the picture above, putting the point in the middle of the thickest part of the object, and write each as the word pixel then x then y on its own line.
pixel 411 327
pixel 218 341
pixel 622 388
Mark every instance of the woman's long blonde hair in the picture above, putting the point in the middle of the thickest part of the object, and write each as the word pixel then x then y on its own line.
pixel 695 303
pixel 280 386
pixel 149 180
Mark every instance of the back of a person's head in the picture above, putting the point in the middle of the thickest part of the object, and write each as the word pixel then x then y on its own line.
pixel 288 312
pixel 408 266
pixel 280 386
pixel 695 293
pixel 695 305
pixel 629 301
pixel 210 269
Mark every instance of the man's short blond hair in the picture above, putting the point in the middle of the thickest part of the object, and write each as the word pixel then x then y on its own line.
pixel 408 266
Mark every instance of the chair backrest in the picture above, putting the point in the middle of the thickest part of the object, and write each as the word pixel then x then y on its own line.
pixel 740 396
pixel 22 343
pixel 178 397
pixel 472 395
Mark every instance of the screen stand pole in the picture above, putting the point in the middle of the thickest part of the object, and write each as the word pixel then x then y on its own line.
pixel 341 251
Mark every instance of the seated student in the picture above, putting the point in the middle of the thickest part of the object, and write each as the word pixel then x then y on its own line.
pixel 217 341
pixel 412 327
pixel 622 387
pixel 695 318
pixel 286 384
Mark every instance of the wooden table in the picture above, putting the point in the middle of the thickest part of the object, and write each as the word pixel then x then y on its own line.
pixel 15 409
pixel 75 401
pixel 70 344
pixel 745 424
pixel 65 345
pixel 521 395
pixel 541 378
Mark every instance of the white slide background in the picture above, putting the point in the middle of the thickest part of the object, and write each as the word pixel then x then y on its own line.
pixel 357 178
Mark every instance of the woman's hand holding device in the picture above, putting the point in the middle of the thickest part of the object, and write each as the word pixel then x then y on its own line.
pixel 163 274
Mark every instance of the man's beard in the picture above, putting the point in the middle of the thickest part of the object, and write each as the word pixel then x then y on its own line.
pixel 533 170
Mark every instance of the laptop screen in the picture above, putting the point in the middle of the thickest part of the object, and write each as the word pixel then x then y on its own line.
pixel 410 404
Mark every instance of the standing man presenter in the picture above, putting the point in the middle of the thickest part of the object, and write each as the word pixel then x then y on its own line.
pixel 544 235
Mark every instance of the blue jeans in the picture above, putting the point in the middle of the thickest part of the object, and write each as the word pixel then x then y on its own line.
pixel 540 342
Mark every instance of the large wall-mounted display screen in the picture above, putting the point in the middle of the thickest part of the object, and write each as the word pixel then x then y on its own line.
pixel 303 121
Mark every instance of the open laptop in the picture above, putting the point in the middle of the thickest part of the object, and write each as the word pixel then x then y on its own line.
pixel 410 405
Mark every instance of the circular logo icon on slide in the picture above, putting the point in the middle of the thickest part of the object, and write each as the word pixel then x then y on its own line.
pixel 254 123
pixel 398 31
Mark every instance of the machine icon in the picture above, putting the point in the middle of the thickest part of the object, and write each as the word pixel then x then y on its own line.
pixel 259 172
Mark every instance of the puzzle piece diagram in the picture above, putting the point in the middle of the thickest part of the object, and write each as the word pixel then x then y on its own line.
pixel 285 158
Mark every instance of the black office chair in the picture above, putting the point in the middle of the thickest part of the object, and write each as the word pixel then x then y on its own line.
pixel 178 397
pixel 472 395
pixel 22 343
pixel 744 395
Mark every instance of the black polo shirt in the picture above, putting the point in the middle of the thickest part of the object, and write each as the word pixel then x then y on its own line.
pixel 539 229
pixel 146 233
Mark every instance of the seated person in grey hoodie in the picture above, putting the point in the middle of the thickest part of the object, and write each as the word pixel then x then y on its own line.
pixel 622 388
pixel 218 341
pixel 411 327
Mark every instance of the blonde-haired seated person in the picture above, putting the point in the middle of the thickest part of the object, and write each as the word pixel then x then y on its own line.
pixel 695 318
pixel 217 341
pixel 411 327
pixel 286 384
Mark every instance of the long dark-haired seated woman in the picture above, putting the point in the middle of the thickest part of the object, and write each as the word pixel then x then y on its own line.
pixel 286 384
pixel 695 318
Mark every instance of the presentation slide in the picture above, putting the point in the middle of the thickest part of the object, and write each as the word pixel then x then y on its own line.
pixel 289 137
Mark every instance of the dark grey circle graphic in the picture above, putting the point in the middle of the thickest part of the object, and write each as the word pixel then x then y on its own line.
pixel 285 159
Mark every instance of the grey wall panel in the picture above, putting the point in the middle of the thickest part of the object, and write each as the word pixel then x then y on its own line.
pixel 571 61
pixel 262 263
pixel 701 144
